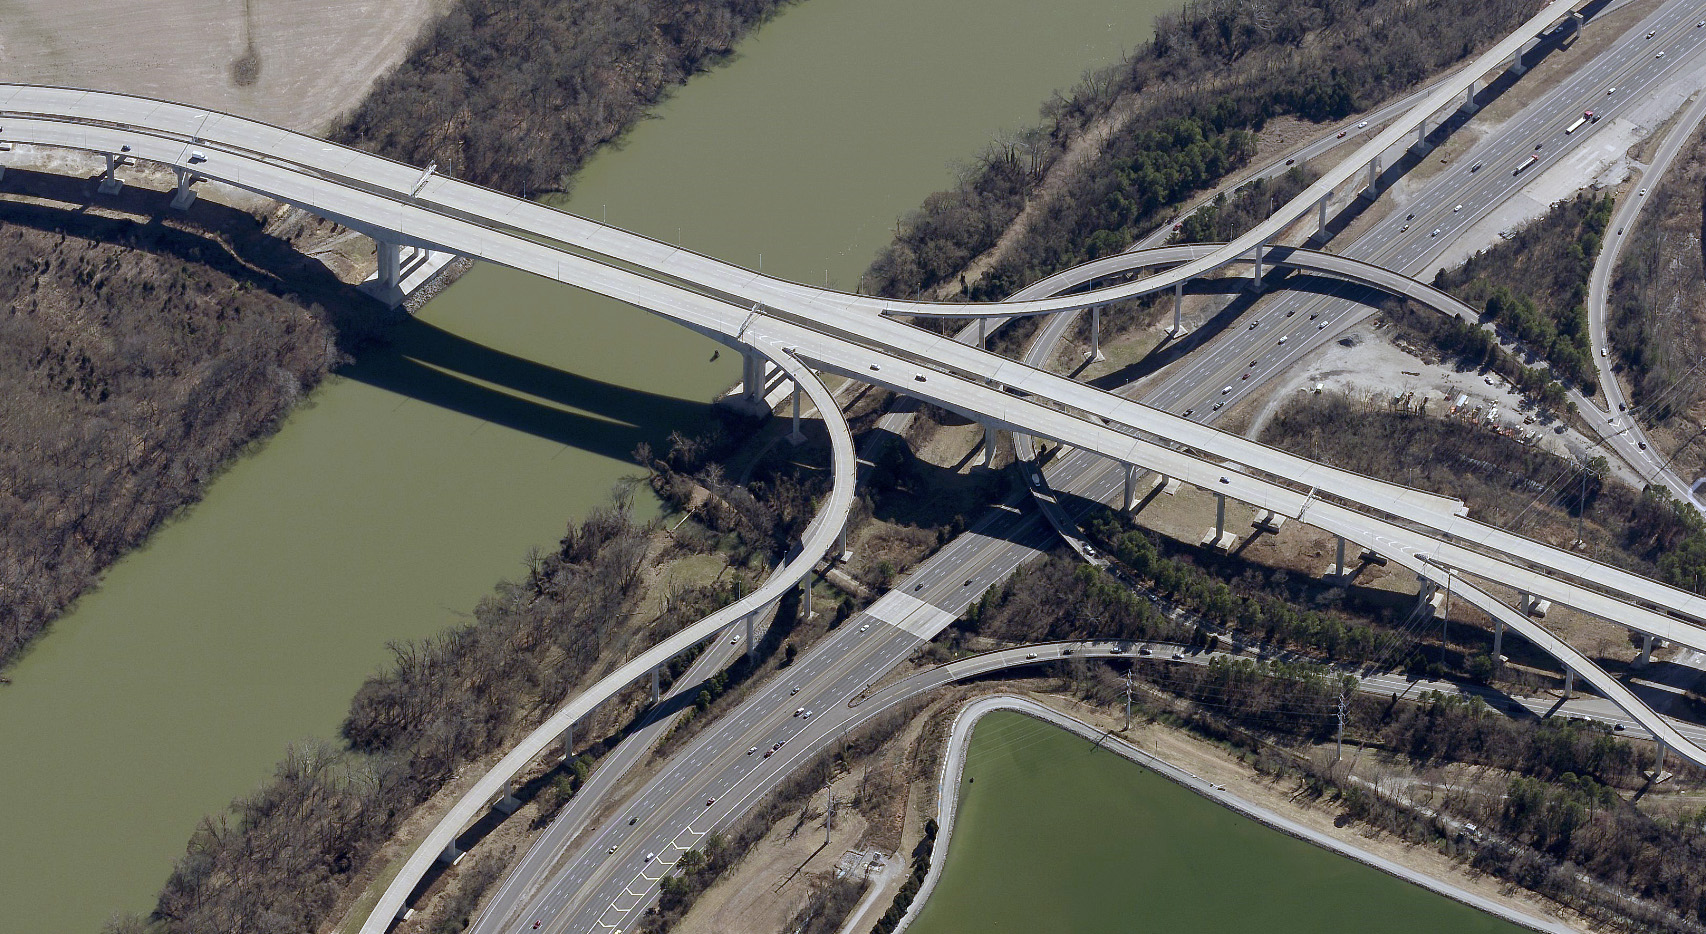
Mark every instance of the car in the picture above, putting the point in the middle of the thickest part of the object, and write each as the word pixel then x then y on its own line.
pixel 1145 651
pixel 1290 161
pixel 1610 91
pixel 631 821
pixel 1314 316
pixel 1245 376
pixel 1117 650
pixel 1188 412
pixel 752 750
pixel 1284 339
pixel 1622 407
pixel 918 586
pixel 1226 389
pixel 1620 231
pixel 864 627
pixel 1178 656
pixel 1225 480
pixel 781 744
pixel 1320 326
pixel 1475 168
pixel 1362 124
pixel 613 847
pixel 1256 361
pixel 1617 727
pixel 1342 134
pixel 1456 209
pixel 197 157
pixel 768 753
pixel 710 801
pixel 1030 655
pixel 651 856
pixel 799 710
pixel 734 638
pixel 1435 233
pixel 1643 192
pixel 1066 651
pixel 793 692
pixel 875 368
pixel 536 923
pixel 806 716
pixel 1700 24
pixel 1404 228
pixel 919 377
pixel 1641 444
pixel 966 584
pixel 1660 55
pixel 1291 312
pixel 1217 406
pixel 1651 33
pixel 1537 146
pixel 1602 351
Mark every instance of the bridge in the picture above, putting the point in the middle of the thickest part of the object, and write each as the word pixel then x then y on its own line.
pixel 800 329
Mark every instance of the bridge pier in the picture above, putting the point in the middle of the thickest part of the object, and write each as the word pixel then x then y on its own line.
pixel 1321 216
pixel 110 183
pixel 842 552
pixel 1338 569
pixel 1658 774
pixel 989 439
pixel 1256 271
pixel 751 645
pixel 1178 308
pixel 185 195
pixel 1130 487
pixel 983 334
pixel 568 742
pixel 752 379
pixel 1646 651
pixel 390 259
pixel 509 803
pixel 451 855
pixel 1096 334
pixel 1469 99
pixel 1422 132
pixel 1569 682
pixel 1373 177
pixel 796 437
pixel 655 693
pixel 1498 642
pixel 1219 539
pixel 806 598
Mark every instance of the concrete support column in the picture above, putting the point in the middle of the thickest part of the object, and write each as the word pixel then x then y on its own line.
pixel 1130 487
pixel 509 803
pixel 1256 271
pixel 1219 516
pixel 751 644
pixel 1321 216
pixel 1340 561
pixel 390 264
pixel 655 692
pixel 110 184
pixel 1178 308
pixel 451 855
pixel 1095 334
pixel 752 377
pixel 806 598
pixel 988 444
pixel 1373 176
pixel 843 551
pixel 1581 21
pixel 1569 683
pixel 796 436
pixel 1646 651
pixel 1659 774
pixel 1469 97
pixel 983 334
pixel 1498 640
pixel 185 195
pixel 1421 132
pixel 568 742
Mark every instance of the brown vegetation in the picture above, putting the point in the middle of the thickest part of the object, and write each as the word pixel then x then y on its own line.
pixel 1657 310
pixel 135 360
pixel 516 94
pixel 1522 488
pixel 1213 74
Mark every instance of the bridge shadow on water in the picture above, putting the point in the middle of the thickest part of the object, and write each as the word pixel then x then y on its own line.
pixel 424 362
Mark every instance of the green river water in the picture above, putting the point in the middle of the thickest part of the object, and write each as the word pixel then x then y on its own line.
pixel 407 486
pixel 1055 835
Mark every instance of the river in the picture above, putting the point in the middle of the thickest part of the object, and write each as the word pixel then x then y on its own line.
pixel 1055 835
pixel 414 480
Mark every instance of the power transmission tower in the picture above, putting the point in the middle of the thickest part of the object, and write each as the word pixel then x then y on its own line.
pixel 1344 701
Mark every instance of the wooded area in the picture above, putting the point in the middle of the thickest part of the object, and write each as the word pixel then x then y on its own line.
pixel 1213 74
pixel 135 361
pixel 516 94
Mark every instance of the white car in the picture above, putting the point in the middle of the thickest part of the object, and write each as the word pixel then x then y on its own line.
pixel 1456 209
pixel 864 627
pixel 1435 233
pixel 1225 390
pixel 1362 124
pixel 651 856
pixel 1643 192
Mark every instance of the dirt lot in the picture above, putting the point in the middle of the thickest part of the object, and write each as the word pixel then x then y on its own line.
pixel 295 64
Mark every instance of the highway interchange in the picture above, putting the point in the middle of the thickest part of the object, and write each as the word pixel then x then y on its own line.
pixel 812 328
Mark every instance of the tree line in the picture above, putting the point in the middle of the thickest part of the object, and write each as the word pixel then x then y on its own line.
pixel 516 94
pixel 1213 74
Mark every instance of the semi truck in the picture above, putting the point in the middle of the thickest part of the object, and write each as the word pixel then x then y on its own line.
pixel 1586 117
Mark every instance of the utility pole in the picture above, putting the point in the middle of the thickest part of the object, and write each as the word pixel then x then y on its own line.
pixel 829 819
pixel 1127 701
pixel 1339 749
